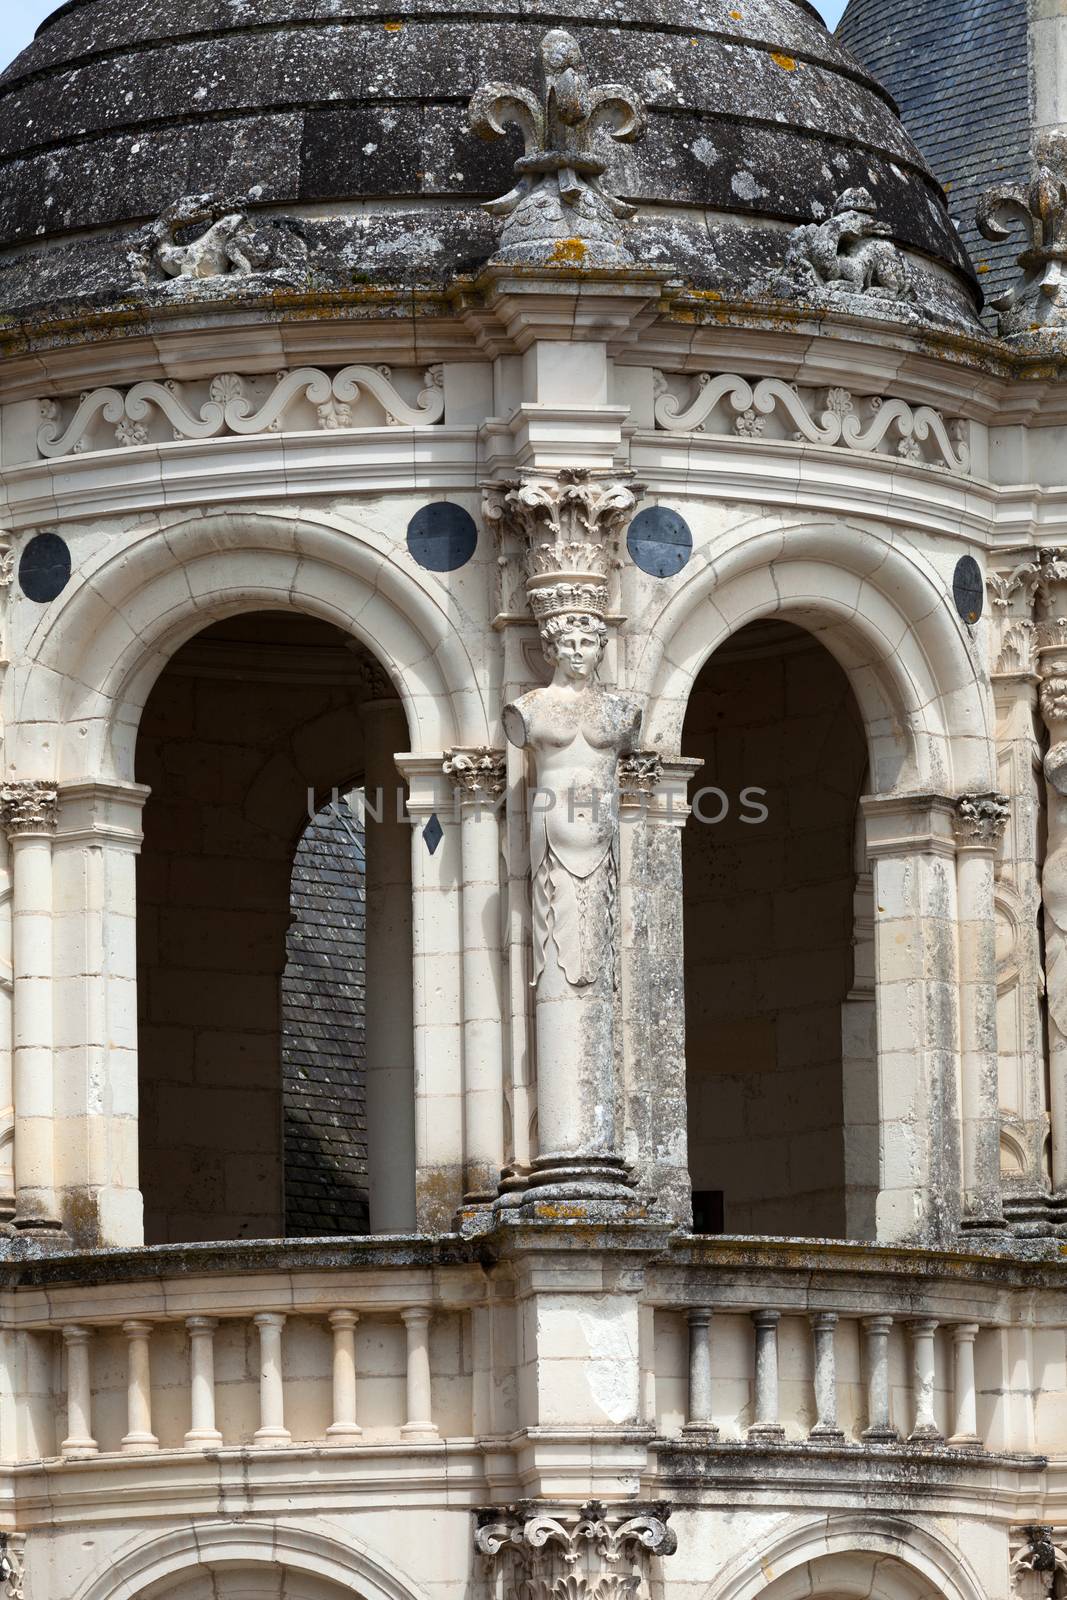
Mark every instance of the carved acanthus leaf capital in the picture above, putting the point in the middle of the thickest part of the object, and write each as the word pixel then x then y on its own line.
pixel 480 772
pixel 640 773
pixel 29 808
pixel 980 819
pixel 591 1552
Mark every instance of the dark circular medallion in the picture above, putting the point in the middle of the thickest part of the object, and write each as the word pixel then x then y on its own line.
pixel 44 568
pixel 442 536
pixel 968 589
pixel 659 542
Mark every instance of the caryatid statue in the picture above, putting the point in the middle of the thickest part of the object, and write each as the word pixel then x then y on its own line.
pixel 577 731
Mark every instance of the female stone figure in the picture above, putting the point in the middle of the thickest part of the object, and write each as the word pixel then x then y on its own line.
pixel 577 732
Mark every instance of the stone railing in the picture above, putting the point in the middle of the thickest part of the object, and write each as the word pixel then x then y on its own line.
pixel 763 1377
pixel 266 1380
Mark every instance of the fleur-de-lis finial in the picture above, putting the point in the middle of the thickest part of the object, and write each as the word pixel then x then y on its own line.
pixel 1039 303
pixel 559 213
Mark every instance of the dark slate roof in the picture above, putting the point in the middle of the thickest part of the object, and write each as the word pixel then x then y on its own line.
pixel 958 69
pixel 323 1031
pixel 353 116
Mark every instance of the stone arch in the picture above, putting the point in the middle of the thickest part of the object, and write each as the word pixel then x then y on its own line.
pixel 852 1557
pixel 879 609
pixel 319 1564
pixel 79 690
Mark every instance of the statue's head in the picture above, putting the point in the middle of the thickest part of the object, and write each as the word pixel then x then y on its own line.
pixel 574 642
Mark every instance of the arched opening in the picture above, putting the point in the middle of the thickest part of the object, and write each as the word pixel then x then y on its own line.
pixel 255 883
pixel 771 889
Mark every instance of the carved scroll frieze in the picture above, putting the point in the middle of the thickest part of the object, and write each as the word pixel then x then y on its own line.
pixel 726 403
pixel 300 400
pixel 560 213
pixel 592 1552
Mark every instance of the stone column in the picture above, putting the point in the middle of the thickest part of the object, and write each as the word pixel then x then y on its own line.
pixel 344 1426
pixel 879 1429
pixel 437 988
pixel 419 1424
pixel 979 827
pixel 480 779
pixel 139 1436
pixel 79 1441
pixel 29 812
pixel 272 1430
pixel 823 1324
pixel 202 1434
pixel 766 1426
pixel 389 1019
pixel 910 840
pixel 922 1332
pixel 965 1431
pixel 574 731
pixel 700 1415
pixel 1052 666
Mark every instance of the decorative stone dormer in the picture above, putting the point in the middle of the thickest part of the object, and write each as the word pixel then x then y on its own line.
pixel 592 1552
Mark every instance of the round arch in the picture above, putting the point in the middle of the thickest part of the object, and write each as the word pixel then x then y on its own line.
pixel 318 1564
pixel 79 691
pixel 879 609
pixel 852 1557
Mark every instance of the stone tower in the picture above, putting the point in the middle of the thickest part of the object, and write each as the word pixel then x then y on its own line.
pixel 533 885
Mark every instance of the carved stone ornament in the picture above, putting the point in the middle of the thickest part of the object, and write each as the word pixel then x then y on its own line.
pixel 559 213
pixel 231 242
pixel 592 1552
pixel 235 405
pixel 980 819
pixel 1039 1569
pixel 481 773
pixel 12 1564
pixel 640 772
pixel 850 253
pixel 1038 303
pixel 29 807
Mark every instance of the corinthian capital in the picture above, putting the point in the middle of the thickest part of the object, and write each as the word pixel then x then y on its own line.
pixel 589 1552
pixel 29 808
pixel 480 772
pixel 569 527
pixel 980 819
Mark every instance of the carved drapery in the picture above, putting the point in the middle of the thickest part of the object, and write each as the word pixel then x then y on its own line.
pixel 592 1552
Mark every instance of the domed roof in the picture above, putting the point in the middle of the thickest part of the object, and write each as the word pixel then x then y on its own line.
pixel 351 119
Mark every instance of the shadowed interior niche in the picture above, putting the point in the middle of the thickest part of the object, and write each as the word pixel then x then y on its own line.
pixel 773 987
pixel 256 898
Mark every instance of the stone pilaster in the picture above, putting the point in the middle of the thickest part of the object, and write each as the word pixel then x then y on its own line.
pixel 596 1551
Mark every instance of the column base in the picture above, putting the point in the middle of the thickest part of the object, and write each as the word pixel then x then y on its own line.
pixel 420 1433
pixel 203 1439
pixel 880 1436
pixel 79 1449
pixel 819 1435
pixel 965 1441
pixel 766 1433
pixel 36 1224
pixel 272 1438
pixel 139 1443
pixel 696 1431
pixel 344 1433
pixel 926 1436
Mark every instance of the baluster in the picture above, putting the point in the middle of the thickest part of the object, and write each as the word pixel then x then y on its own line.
pixel 139 1435
pixel 272 1430
pixel 766 1425
pixel 700 1397
pixel 923 1370
pixel 203 1434
pixel 79 1440
pixel 419 1422
pixel 879 1429
pixel 966 1429
pixel 344 1425
pixel 823 1324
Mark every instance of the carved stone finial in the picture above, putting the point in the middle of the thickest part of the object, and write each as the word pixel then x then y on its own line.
pixel 592 1552
pixel 571 526
pixel 233 243
pixel 849 253
pixel 481 772
pixel 980 819
pixel 1038 303
pixel 29 807
pixel 559 213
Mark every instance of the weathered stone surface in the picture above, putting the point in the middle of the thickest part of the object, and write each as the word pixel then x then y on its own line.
pixel 118 110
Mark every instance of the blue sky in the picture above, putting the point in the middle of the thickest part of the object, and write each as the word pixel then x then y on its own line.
pixel 20 18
